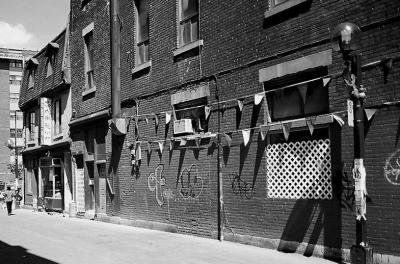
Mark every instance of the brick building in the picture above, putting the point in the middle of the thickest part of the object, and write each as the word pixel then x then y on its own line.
pixel 234 121
pixel 11 67
pixel 46 103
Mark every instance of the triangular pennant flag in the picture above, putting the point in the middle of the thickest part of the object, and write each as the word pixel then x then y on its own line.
pixel 156 120
pixel 370 113
pixel 310 123
pixel 197 141
pixel 228 138
pixel 171 145
pixel 167 117
pixel 137 122
pixel 161 145
pixel 199 121
pixel 138 151
pixel 264 131
pixel 326 81
pixel 246 136
pixel 240 104
pixel 303 91
pixel 258 98
pixel 338 119
pixel 148 146
pixel 174 113
pixel 183 142
pixel 146 119
pixel 286 129
pixel 207 111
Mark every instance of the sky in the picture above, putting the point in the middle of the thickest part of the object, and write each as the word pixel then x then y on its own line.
pixel 31 24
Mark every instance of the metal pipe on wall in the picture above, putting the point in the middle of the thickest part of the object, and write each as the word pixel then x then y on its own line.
pixel 115 60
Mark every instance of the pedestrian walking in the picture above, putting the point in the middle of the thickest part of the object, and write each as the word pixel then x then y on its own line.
pixel 9 195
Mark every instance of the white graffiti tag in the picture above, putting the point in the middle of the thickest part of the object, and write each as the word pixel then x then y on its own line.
pixel 392 168
pixel 190 183
pixel 155 181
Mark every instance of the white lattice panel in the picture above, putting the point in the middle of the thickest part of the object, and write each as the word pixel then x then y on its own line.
pixel 299 170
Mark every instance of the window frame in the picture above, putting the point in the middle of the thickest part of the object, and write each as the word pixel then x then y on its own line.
pixel 195 17
pixel 31 126
pixel 31 78
pixel 57 120
pixel 88 38
pixel 143 42
pixel 280 7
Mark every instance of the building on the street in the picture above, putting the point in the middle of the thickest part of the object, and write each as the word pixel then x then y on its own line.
pixel 224 120
pixel 11 127
pixel 46 103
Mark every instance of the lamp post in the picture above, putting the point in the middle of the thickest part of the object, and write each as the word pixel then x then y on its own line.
pixel 346 38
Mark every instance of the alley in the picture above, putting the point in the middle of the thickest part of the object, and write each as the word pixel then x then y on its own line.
pixel 31 237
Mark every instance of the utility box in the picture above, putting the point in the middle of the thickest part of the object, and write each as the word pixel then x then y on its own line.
pixel 183 126
pixel 361 255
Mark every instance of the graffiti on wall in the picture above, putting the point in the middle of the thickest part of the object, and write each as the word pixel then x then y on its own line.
pixel 241 187
pixel 156 181
pixel 392 168
pixel 190 184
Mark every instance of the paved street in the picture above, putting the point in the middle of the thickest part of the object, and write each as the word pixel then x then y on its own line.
pixel 31 237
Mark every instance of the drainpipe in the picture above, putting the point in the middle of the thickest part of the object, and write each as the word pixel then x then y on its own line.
pixel 220 190
pixel 117 123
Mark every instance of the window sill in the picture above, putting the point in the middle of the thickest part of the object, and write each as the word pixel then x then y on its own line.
pixel 188 47
pixel 57 137
pixel 301 122
pixel 282 7
pixel 144 66
pixel 88 91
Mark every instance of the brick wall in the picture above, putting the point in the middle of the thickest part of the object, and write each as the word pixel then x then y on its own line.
pixel 238 42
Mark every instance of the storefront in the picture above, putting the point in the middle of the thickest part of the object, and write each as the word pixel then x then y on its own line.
pixel 51 170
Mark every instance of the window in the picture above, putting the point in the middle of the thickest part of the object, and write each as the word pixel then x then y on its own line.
pixel 193 110
pixel 142 28
pixel 12 133
pixel 31 78
pixel 14 98
pixel 277 6
pixel 189 21
pixel 18 131
pixel 16 64
pixel 278 2
pixel 49 65
pixel 57 111
pixel 300 96
pixel 15 80
pixel 31 125
pixel 89 65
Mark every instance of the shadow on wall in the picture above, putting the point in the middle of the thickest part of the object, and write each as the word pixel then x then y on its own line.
pixel 323 216
pixel 17 254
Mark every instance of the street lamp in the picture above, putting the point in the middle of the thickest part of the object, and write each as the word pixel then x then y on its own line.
pixel 346 38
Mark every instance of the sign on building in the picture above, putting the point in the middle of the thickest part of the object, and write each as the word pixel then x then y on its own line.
pixel 45 121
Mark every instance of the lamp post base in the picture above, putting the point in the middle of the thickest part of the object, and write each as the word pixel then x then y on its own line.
pixel 361 255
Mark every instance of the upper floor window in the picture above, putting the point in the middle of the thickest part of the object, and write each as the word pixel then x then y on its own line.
pixel 278 2
pixel 14 98
pixel 49 66
pixel 89 63
pixel 16 64
pixel 15 80
pixel 189 21
pixel 31 78
pixel 57 116
pixel 142 29
pixel 278 6
pixel 51 51
pixel 31 125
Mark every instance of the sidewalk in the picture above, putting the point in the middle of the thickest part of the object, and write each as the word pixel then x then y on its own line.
pixel 36 237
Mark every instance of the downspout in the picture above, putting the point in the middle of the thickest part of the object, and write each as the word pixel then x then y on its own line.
pixel 117 123
pixel 220 192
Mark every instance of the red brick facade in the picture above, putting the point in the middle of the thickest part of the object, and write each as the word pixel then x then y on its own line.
pixel 239 39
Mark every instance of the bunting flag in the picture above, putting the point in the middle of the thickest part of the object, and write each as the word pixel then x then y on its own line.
pixel 199 121
pixel 311 123
pixel 148 146
pixel 228 138
pixel 161 146
pixel 240 104
pixel 171 145
pixel 370 113
pixel 157 120
pixel 258 98
pixel 174 113
pixel 167 117
pixel 264 131
pixel 326 80
pixel 338 119
pixel 286 129
pixel 303 91
pixel 207 111
pixel 138 151
pixel 147 120
pixel 137 124
pixel 246 136
pixel 197 141
pixel 183 142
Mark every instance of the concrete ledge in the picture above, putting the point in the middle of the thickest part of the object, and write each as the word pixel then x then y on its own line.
pixel 282 7
pixel 141 67
pixel 138 223
pixel 188 47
